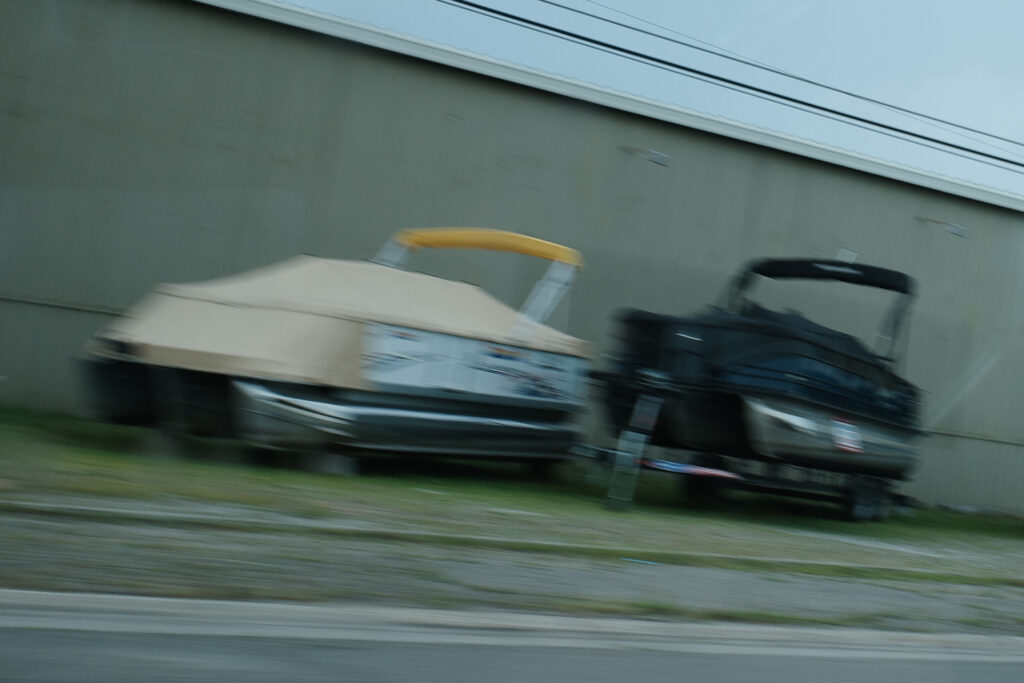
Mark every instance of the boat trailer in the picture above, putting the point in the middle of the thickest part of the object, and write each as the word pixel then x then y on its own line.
pixel 863 497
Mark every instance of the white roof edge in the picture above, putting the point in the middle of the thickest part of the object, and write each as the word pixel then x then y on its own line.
pixel 588 92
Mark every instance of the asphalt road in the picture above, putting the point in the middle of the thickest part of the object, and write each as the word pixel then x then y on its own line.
pixel 76 637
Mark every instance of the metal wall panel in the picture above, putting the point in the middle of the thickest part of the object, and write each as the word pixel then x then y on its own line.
pixel 38 351
pixel 159 140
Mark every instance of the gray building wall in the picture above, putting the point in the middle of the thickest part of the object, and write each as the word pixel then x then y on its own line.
pixel 163 140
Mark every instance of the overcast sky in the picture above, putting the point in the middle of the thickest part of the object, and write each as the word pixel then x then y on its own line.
pixel 958 60
pixel 949 59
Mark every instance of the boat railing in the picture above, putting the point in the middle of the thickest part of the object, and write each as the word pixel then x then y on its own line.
pixel 546 293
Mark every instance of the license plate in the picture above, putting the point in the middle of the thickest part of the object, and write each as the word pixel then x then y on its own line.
pixel 846 436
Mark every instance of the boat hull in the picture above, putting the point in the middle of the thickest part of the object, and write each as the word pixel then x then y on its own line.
pixel 811 436
pixel 769 428
pixel 298 416
pixel 276 416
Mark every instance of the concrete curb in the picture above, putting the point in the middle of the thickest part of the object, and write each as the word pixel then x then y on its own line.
pixel 129 613
pixel 653 555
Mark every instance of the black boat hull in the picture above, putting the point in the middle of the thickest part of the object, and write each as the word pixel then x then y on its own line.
pixel 767 428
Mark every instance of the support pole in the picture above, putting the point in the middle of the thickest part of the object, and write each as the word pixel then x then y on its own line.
pixel 632 442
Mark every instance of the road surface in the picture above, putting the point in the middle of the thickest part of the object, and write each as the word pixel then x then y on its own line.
pixel 85 637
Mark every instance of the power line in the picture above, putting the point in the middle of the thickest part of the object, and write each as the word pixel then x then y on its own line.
pixel 747 61
pixel 738 86
pixel 718 49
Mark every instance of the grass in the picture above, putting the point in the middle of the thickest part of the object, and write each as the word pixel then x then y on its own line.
pixel 47 457
pixel 416 532
pixel 653 556
pixel 979 622
pixel 670 611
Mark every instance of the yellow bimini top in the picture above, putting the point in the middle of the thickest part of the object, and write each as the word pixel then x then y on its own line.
pixel 485 238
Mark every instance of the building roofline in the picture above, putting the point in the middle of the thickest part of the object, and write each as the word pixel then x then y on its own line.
pixel 589 92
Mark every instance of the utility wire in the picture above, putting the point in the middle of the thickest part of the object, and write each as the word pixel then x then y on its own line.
pixel 747 61
pixel 738 86
pixel 716 48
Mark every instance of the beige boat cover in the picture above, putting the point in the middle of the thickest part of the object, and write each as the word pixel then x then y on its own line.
pixel 303 319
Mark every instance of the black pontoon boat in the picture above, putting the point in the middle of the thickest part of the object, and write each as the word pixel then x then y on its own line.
pixel 744 382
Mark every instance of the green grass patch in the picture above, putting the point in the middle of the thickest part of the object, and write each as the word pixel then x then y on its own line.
pixel 676 612
pixel 597 553
pixel 53 457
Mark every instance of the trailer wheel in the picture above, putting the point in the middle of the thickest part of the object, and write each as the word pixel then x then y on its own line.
pixel 328 462
pixel 868 499
pixel 704 491
pixel 541 469
pixel 884 508
pixel 170 443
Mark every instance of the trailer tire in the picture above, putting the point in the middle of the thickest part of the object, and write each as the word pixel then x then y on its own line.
pixel 541 469
pixel 704 492
pixel 884 508
pixel 328 462
pixel 868 500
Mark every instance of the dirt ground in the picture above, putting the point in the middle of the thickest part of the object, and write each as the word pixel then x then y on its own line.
pixel 81 554
pixel 82 508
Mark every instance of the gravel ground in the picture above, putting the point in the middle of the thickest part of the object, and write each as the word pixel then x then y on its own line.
pixel 62 478
pixel 83 555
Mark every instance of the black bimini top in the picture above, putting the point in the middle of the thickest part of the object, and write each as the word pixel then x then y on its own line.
pixel 823 269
